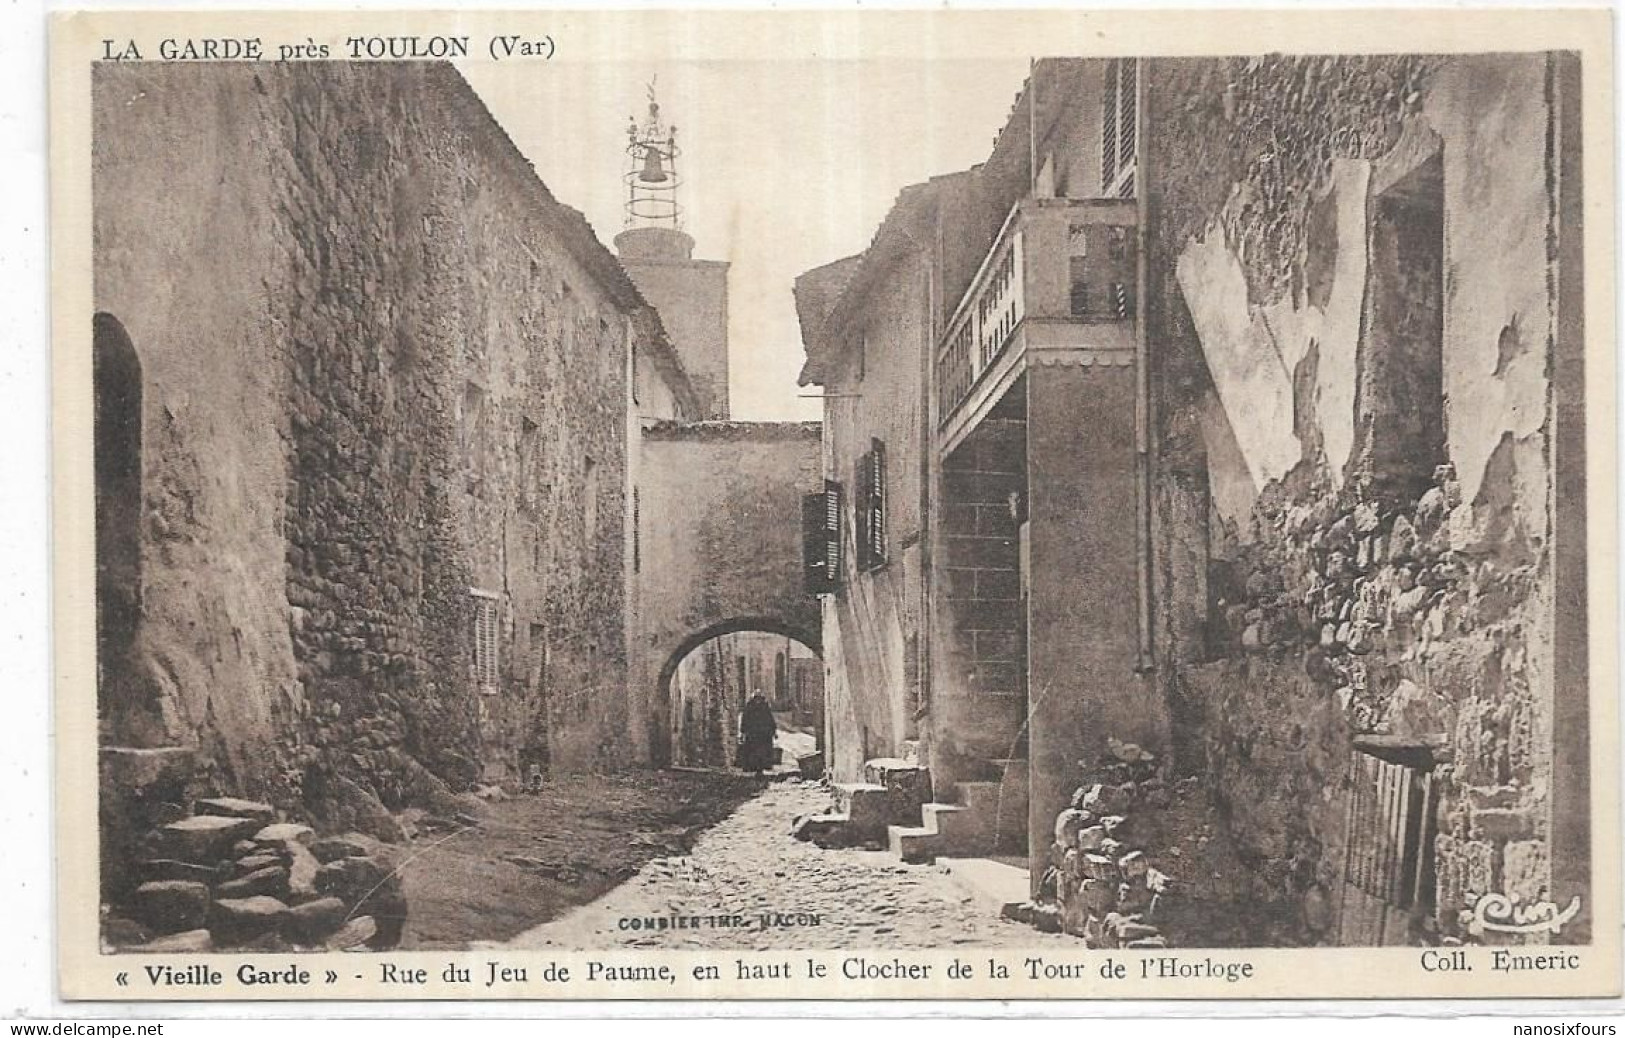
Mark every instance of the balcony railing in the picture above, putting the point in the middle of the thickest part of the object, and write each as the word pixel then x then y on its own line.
pixel 1056 260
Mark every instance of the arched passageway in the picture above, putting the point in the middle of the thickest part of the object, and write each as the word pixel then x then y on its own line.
pixel 707 679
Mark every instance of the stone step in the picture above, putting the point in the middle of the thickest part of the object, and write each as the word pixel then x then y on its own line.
pixel 913 844
pixel 866 802
pixel 994 884
pixel 831 829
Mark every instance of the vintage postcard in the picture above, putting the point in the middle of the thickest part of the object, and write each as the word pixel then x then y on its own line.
pixel 835 505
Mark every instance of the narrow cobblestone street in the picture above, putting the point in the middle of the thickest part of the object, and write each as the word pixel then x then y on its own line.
pixel 748 866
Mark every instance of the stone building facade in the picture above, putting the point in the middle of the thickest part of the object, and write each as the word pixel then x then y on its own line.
pixel 365 519
pixel 1255 419
pixel 1363 291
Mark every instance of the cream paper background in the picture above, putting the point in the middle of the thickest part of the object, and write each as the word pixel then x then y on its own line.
pixel 678 35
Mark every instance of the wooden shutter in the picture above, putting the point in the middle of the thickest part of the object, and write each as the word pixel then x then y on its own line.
pixel 487 624
pixel 861 526
pixel 821 539
pixel 1119 111
pixel 877 503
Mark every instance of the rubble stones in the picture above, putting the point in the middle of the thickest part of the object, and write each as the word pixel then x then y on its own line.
pixel 1105 890
pixel 233 876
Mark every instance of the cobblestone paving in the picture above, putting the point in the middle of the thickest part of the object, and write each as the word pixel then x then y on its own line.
pixel 748 867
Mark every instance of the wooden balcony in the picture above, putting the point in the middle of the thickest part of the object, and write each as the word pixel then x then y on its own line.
pixel 1057 287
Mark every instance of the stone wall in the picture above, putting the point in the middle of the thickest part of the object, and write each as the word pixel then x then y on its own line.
pixel 1352 306
pixel 383 368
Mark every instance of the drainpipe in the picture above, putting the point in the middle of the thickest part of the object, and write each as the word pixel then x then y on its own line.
pixel 1142 380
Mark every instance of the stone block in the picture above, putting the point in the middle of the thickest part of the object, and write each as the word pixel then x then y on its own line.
pixel 350 845
pixel 168 906
pixel 271 880
pixel 236 921
pixel 1099 867
pixel 1099 895
pixel 355 935
pixel 282 833
pixel 235 807
pixel 302 869
pixel 201 839
pixel 255 862
pixel 1068 824
pixel 353 878
pixel 1134 866
pixel 173 869
pixel 312 922
pixel 185 943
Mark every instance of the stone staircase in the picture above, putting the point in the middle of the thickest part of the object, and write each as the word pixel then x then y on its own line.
pixel 985 819
pixel 892 809
pixel 891 793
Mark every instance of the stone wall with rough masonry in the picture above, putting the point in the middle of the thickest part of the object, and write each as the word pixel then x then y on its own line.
pixel 1354 480
pixel 383 369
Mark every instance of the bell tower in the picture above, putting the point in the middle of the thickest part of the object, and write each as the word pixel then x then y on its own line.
pixel 691 295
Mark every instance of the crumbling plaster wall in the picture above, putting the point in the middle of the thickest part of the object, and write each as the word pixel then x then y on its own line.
pixel 1331 612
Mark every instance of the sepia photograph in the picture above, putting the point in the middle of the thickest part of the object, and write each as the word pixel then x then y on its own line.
pixel 1067 499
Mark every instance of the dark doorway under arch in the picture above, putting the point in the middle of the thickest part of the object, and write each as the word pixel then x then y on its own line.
pixel 705 681
pixel 116 385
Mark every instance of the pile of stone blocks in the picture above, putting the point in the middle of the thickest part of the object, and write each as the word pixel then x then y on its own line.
pixel 1099 885
pixel 230 875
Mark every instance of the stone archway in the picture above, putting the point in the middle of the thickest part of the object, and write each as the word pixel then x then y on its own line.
pixel 720 551
pixel 666 744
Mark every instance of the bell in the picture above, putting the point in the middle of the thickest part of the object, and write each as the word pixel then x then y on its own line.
pixel 653 171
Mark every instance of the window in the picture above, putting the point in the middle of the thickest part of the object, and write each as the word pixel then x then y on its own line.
pixel 1388 870
pixel 1102 271
pixel 1118 109
pixel 821 539
pixel 870 506
pixel 487 625
pixel 1399 434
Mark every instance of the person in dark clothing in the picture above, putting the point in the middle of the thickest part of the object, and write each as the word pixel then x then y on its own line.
pixel 756 730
